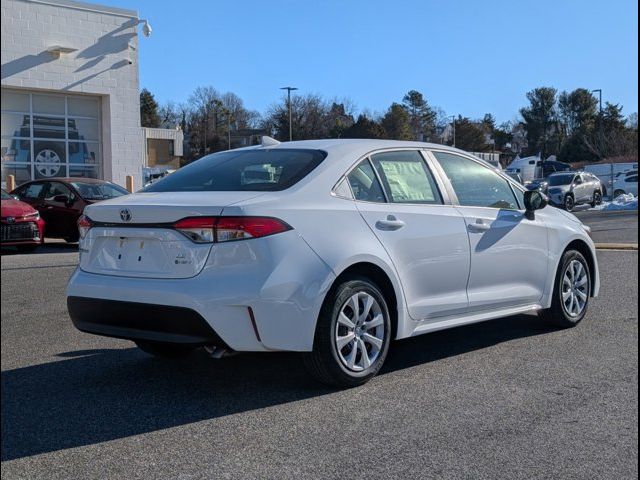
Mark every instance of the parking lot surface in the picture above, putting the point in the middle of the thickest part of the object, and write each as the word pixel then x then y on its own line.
pixel 511 398
pixel 611 227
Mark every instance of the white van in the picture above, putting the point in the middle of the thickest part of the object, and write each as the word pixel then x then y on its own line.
pixel 531 168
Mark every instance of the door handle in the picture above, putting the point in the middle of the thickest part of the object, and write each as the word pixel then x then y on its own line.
pixel 389 224
pixel 478 227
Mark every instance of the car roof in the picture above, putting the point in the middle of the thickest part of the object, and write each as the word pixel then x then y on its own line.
pixel 69 180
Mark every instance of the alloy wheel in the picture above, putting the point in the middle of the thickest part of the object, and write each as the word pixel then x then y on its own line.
pixel 575 288
pixel 360 331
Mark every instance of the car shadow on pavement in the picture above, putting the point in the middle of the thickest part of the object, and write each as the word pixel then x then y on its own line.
pixel 91 396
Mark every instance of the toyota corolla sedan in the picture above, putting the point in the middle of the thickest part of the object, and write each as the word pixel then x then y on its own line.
pixel 22 226
pixel 331 248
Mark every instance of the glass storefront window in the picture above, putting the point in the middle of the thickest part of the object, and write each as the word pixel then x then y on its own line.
pixel 16 150
pixel 56 135
pixel 15 125
pixel 48 104
pixel 15 102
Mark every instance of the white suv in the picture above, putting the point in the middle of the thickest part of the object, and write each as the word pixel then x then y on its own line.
pixel 331 248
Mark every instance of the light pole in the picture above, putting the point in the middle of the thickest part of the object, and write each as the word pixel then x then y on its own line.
pixel 600 133
pixel 289 89
pixel 453 124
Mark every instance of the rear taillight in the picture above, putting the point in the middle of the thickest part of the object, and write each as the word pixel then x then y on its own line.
pixel 226 229
pixel 84 225
pixel 198 229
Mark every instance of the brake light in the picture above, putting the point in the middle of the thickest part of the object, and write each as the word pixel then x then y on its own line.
pixel 226 229
pixel 84 225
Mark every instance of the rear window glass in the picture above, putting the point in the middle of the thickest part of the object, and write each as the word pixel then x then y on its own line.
pixel 246 170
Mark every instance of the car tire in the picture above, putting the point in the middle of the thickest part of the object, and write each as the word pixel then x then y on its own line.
pixel 617 193
pixel 566 291
pixel 569 203
pixel 597 199
pixel 73 239
pixel 164 350
pixel 333 360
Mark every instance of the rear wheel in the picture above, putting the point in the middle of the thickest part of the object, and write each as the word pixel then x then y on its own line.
pixel 569 203
pixel 572 289
pixel 164 350
pixel 352 335
pixel 597 199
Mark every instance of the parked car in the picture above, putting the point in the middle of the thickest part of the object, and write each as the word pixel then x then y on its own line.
pixel 626 184
pixel 567 190
pixel 345 245
pixel 604 170
pixel 61 201
pixel 539 184
pixel 22 226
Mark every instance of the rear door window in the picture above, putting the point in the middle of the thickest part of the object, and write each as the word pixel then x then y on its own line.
pixel 31 191
pixel 406 177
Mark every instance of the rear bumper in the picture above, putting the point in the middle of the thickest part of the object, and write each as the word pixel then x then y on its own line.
pixel 257 295
pixel 141 321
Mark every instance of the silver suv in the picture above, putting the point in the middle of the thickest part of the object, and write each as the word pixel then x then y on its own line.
pixel 568 189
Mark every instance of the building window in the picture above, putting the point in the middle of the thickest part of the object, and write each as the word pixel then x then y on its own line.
pixel 46 136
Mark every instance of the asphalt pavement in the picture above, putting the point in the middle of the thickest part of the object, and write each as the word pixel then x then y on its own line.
pixel 612 226
pixel 511 398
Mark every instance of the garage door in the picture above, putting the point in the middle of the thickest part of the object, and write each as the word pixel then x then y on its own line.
pixel 50 135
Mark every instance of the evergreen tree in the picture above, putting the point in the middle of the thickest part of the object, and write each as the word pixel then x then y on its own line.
pixel 422 117
pixel 396 123
pixel 149 116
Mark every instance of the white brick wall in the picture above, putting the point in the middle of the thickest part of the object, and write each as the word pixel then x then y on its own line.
pixel 100 66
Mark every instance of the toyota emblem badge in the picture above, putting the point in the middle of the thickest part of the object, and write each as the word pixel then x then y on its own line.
pixel 125 215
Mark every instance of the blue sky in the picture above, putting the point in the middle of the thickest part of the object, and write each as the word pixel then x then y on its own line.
pixel 467 57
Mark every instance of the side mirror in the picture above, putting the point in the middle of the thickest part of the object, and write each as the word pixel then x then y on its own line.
pixel 535 200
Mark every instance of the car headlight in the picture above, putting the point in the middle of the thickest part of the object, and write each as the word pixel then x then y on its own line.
pixel 32 216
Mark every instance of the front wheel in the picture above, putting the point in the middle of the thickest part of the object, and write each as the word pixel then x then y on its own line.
pixel 352 336
pixel 617 193
pixel 164 350
pixel 569 203
pixel 572 289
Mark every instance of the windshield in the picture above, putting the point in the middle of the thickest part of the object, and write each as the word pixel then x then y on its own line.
pixel 555 180
pixel 246 170
pixel 99 191
pixel 6 196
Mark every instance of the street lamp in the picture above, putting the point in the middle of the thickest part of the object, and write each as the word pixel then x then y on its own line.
pixel 289 89
pixel 453 123
pixel 601 134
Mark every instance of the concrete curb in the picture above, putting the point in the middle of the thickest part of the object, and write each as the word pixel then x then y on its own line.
pixel 617 246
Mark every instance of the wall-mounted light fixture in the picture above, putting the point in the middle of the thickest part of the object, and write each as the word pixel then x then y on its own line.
pixel 57 50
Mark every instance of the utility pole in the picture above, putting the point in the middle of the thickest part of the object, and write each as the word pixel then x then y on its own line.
pixel 289 89
pixel 601 135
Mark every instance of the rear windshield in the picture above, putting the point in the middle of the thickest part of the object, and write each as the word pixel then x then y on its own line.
pixel 245 170
pixel 99 191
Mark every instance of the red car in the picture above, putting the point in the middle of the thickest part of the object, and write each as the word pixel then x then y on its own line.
pixel 61 201
pixel 22 226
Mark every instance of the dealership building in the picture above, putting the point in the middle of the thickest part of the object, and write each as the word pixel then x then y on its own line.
pixel 70 94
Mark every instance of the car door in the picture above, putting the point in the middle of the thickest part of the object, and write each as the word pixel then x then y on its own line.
pixel 581 189
pixel 397 195
pixel 31 193
pixel 509 250
pixel 60 216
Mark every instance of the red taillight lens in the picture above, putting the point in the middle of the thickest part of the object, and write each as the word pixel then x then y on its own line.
pixel 226 229
pixel 84 225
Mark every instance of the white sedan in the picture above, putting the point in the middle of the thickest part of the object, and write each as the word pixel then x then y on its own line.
pixel 328 247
